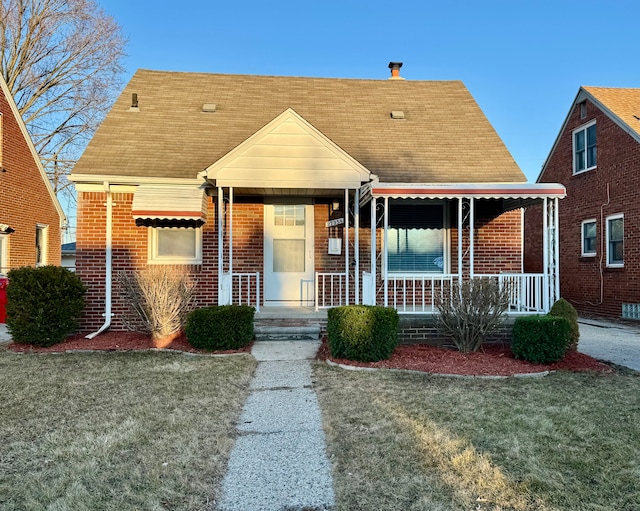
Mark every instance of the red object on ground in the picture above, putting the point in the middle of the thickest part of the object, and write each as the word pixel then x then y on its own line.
pixel 3 298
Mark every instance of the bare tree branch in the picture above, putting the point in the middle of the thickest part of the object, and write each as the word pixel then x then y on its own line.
pixel 62 61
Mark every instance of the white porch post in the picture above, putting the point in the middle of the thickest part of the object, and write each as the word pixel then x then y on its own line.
pixel 556 230
pixel 545 253
pixel 385 268
pixel 356 241
pixel 373 248
pixel 220 244
pixel 346 245
pixel 471 235
pixel 230 244
pixel 460 213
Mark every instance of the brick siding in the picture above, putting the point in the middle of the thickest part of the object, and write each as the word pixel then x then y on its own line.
pixel 586 282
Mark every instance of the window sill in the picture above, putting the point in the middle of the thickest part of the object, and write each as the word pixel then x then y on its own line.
pixel 587 258
pixel 614 268
pixel 579 173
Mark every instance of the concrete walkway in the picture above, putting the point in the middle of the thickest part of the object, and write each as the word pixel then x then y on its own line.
pixel 279 461
pixel 607 340
pixel 4 333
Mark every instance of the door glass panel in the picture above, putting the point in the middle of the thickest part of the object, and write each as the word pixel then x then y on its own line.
pixel 288 255
pixel 288 215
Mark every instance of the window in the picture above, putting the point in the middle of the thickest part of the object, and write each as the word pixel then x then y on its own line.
pixel 416 237
pixel 173 245
pixel 615 241
pixel 4 262
pixel 589 238
pixel 41 245
pixel 584 148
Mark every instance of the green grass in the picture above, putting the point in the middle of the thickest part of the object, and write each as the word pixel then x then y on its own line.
pixel 117 431
pixel 412 442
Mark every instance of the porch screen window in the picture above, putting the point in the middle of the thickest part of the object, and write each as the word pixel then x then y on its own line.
pixel 615 241
pixel 584 148
pixel 4 265
pixel 175 245
pixel 416 238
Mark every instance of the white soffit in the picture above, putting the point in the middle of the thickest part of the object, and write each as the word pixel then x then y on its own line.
pixel 170 203
pixel 288 153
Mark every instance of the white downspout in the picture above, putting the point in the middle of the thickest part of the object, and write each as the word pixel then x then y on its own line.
pixel 108 266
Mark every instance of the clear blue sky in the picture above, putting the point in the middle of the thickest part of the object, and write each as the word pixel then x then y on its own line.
pixel 522 60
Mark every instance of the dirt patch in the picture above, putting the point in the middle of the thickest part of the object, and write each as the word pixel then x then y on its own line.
pixel 490 360
pixel 116 341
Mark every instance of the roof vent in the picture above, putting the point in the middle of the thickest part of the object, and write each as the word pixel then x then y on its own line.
pixel 397 114
pixel 209 107
pixel 395 70
pixel 134 103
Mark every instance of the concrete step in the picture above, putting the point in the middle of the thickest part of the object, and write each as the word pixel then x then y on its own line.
pixel 287 333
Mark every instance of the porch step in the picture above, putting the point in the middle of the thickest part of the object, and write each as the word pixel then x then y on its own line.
pixel 287 333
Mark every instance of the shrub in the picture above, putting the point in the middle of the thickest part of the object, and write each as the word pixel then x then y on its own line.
pixel 540 339
pixel 362 332
pixel 473 310
pixel 562 308
pixel 159 299
pixel 225 327
pixel 43 304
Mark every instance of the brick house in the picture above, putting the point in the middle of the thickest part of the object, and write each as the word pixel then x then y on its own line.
pixel 596 157
pixel 31 218
pixel 303 192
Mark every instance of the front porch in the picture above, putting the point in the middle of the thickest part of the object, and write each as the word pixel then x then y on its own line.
pixel 366 271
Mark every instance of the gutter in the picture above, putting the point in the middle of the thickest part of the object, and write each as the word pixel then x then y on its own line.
pixel 108 265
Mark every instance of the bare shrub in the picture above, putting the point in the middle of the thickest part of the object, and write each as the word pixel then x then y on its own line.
pixel 159 299
pixel 474 309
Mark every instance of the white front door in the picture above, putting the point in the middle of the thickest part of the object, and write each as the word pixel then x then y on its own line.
pixel 288 254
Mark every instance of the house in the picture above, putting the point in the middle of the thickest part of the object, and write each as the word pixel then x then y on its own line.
pixel 31 218
pixel 69 256
pixel 304 192
pixel 596 156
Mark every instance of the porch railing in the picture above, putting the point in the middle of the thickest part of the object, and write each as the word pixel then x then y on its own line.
pixel 418 294
pixel 245 289
pixel 526 290
pixel 329 289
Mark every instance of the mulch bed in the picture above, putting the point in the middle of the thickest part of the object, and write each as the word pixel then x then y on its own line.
pixel 490 360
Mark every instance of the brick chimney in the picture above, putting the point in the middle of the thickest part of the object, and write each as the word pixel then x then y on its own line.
pixel 395 70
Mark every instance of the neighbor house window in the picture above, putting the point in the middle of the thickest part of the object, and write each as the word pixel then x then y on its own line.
pixel 589 238
pixel 584 148
pixel 615 240
pixel 173 245
pixel 416 237
pixel 41 244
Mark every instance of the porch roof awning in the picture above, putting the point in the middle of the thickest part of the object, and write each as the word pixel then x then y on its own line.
pixel 175 206
pixel 6 229
pixel 469 190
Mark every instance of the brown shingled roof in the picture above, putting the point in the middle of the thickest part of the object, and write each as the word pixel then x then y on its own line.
pixel 624 103
pixel 444 136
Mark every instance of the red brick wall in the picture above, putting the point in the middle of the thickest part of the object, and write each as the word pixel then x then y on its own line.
pixel 24 198
pixel 130 248
pixel 613 187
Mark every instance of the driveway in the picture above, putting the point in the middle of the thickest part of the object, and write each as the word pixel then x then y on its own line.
pixel 615 342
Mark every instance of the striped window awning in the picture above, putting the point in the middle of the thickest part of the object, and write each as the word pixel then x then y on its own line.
pixel 156 206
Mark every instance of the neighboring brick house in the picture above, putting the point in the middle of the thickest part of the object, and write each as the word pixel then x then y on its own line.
pixel 31 218
pixel 255 184
pixel 596 157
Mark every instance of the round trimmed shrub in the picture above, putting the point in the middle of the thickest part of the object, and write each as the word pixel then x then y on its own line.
pixel 43 304
pixel 562 308
pixel 540 339
pixel 224 327
pixel 362 332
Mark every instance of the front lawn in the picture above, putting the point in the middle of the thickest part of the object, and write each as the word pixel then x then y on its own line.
pixel 117 430
pixel 569 441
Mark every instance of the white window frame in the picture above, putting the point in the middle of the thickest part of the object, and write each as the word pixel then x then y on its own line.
pixel 582 238
pixel 608 219
pixel 44 249
pixel 154 258
pixel 4 254
pixel 584 128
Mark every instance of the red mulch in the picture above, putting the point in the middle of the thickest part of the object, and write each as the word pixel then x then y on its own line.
pixel 116 341
pixel 490 360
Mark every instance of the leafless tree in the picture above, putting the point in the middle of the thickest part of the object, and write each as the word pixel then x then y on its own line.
pixel 62 61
